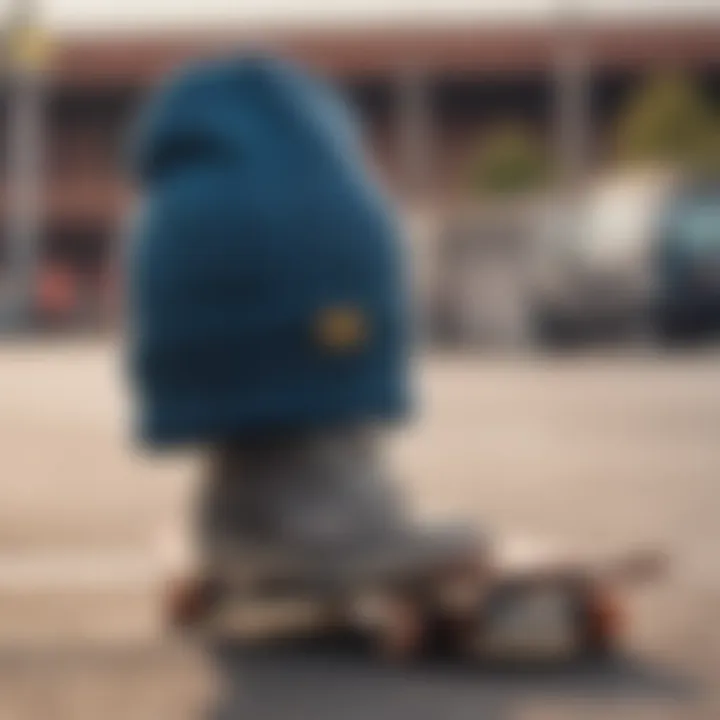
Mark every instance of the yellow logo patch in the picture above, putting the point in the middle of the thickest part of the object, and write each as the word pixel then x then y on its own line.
pixel 341 328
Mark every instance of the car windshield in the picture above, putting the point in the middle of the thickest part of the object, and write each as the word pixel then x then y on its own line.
pixel 697 225
pixel 618 221
pixel 613 225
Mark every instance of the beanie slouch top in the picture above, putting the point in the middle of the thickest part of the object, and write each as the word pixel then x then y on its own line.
pixel 266 284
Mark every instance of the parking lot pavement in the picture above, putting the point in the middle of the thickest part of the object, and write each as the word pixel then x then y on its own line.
pixel 607 451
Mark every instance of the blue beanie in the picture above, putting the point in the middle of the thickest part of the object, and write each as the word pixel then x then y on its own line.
pixel 265 279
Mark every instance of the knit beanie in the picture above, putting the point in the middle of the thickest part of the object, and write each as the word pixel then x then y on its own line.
pixel 265 278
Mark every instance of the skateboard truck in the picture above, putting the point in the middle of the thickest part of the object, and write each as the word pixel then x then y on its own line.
pixel 544 611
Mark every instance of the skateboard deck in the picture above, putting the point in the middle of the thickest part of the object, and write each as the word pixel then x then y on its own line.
pixel 526 600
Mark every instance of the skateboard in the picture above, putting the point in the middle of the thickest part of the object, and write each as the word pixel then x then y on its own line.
pixel 515 602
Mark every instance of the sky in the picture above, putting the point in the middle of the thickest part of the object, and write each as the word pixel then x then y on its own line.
pixel 96 16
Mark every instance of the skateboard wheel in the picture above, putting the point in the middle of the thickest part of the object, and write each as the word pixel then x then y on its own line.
pixel 603 622
pixel 402 636
pixel 393 624
pixel 460 589
pixel 532 620
pixel 189 601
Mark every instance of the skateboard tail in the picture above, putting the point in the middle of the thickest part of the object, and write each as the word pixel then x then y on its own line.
pixel 635 568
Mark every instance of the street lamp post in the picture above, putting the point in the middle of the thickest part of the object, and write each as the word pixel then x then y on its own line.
pixel 25 62
pixel 572 112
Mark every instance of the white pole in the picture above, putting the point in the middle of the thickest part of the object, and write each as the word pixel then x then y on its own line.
pixel 414 127
pixel 25 134
pixel 572 106
pixel 415 131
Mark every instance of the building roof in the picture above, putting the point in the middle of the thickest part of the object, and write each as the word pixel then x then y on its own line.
pixel 132 16
pixel 368 52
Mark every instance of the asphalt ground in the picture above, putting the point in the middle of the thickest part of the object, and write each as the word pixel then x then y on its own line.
pixel 600 451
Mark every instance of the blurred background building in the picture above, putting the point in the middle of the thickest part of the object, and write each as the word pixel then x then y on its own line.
pixel 462 102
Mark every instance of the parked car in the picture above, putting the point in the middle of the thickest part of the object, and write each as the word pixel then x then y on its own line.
pixel 687 263
pixel 593 276
pixel 480 294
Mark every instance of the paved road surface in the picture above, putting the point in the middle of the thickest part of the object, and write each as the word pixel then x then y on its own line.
pixel 604 450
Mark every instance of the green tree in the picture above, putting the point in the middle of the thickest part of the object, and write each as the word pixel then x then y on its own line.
pixel 708 163
pixel 509 160
pixel 668 121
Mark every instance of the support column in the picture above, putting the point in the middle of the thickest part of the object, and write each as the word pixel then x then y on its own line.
pixel 414 133
pixel 572 106
pixel 414 144
pixel 27 54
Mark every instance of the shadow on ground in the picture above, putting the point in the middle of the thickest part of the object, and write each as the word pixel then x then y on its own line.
pixel 300 683
pixel 305 683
